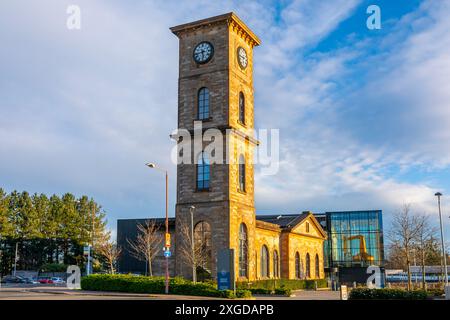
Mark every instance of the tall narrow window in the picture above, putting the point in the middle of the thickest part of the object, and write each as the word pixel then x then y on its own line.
pixel 308 266
pixel 264 262
pixel 203 172
pixel 317 267
pixel 276 268
pixel 241 108
pixel 243 250
pixel 307 227
pixel 241 173
pixel 202 245
pixel 203 103
pixel 297 266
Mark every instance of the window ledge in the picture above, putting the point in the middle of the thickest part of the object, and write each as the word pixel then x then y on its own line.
pixel 241 191
pixel 204 120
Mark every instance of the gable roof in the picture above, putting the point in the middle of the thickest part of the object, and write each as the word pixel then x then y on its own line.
pixel 283 220
pixel 288 222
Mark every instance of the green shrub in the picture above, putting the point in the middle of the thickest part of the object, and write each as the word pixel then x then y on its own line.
pixel 229 294
pixel 243 294
pixel 435 292
pixel 156 285
pixel 260 291
pixel 283 291
pixel 386 294
pixel 278 291
pixel 292 284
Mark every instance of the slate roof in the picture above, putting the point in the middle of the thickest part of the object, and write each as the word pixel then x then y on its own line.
pixel 283 220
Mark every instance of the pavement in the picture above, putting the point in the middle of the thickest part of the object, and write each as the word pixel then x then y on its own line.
pixel 52 292
pixel 304 295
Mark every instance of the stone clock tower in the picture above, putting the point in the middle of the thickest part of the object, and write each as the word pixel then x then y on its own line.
pixel 216 91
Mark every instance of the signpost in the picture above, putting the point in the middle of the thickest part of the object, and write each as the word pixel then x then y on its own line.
pixel 87 253
pixel 167 253
pixel 225 270
pixel 167 240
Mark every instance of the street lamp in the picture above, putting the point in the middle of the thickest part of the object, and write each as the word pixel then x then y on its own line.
pixel 194 273
pixel 166 246
pixel 444 255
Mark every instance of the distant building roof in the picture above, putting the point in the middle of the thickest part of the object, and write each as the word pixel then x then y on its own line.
pixel 158 221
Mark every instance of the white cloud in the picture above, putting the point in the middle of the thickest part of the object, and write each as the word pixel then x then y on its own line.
pixel 345 147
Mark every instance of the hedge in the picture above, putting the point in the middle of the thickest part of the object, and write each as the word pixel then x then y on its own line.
pixel 435 292
pixel 273 284
pixel 156 285
pixel 386 294
pixel 277 291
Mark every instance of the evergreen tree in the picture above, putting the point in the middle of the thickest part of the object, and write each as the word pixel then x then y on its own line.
pixel 47 230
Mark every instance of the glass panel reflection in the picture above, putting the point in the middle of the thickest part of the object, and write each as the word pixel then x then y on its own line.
pixel 355 239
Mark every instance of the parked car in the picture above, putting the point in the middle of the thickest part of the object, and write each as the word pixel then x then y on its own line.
pixel 57 280
pixel 31 280
pixel 45 281
pixel 13 279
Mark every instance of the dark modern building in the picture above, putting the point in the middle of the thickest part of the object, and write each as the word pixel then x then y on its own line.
pixel 355 241
pixel 127 230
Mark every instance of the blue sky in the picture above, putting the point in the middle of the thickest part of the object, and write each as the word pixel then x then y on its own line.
pixel 364 115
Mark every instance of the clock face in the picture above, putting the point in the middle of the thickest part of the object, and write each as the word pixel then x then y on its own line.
pixel 203 52
pixel 242 57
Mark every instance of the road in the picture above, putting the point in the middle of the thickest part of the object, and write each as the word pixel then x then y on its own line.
pixel 49 292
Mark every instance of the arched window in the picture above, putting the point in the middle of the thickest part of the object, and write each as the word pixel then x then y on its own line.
pixel 317 267
pixel 297 266
pixel 202 245
pixel 264 262
pixel 241 173
pixel 203 171
pixel 276 268
pixel 243 250
pixel 241 108
pixel 308 266
pixel 203 103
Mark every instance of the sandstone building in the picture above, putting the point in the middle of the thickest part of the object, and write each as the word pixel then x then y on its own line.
pixel 216 89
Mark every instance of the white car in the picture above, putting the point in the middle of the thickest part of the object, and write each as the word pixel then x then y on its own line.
pixel 57 280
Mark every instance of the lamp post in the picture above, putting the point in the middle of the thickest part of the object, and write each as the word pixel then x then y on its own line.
pixel 194 273
pixel 444 255
pixel 166 247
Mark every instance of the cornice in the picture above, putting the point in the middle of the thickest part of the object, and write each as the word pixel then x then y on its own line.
pixel 231 19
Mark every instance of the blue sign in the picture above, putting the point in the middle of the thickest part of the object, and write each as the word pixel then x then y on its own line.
pixel 223 280
pixel 167 253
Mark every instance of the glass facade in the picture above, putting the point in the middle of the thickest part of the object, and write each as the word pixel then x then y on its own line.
pixel 355 239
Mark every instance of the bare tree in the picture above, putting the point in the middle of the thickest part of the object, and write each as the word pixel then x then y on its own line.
pixel 395 259
pixel 147 243
pixel 425 235
pixel 110 252
pixel 403 235
pixel 193 251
